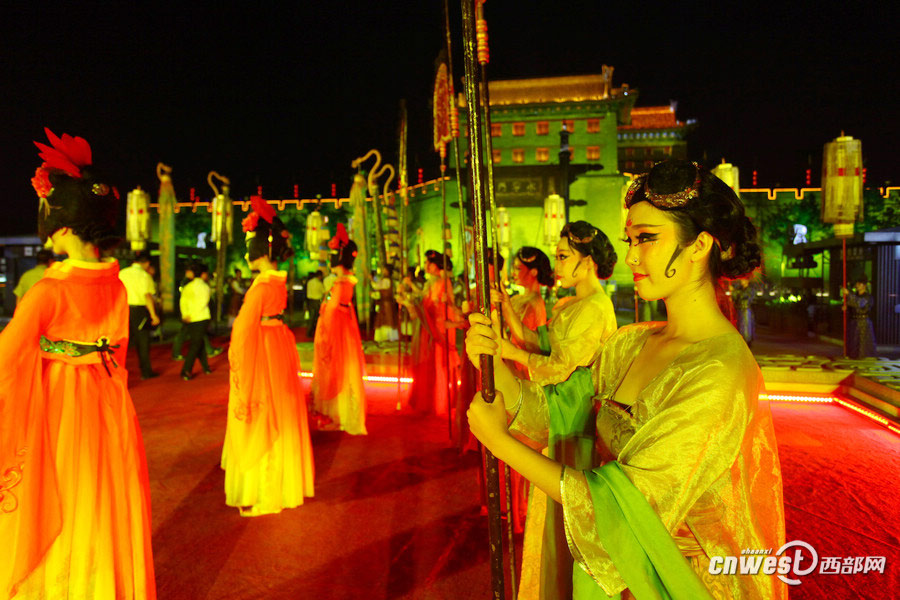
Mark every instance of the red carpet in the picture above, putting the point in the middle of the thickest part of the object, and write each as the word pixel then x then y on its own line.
pixel 396 513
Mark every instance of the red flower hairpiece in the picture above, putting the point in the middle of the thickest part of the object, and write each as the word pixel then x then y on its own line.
pixel 67 154
pixel 263 208
pixel 250 222
pixel 340 239
pixel 41 182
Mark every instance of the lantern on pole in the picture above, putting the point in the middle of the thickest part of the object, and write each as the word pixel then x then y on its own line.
pixel 137 226
pixel 730 174
pixel 314 224
pixel 554 218
pixel 842 184
pixel 842 199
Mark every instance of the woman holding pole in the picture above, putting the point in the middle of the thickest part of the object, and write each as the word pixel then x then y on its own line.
pixel 680 433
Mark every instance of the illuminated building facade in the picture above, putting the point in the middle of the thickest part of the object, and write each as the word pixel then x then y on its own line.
pixel 654 134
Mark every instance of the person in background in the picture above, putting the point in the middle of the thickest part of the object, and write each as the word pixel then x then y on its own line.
pixel 195 314
pixel 329 280
pixel 182 335
pixel 267 454
pixel 32 275
pixel 339 364
pixel 238 286
pixel 315 291
pixel 142 315
pixel 860 333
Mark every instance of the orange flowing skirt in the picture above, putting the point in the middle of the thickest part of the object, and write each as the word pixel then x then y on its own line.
pixel 102 548
pixel 338 369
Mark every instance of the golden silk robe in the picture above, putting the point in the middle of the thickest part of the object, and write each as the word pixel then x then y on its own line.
pixel 576 334
pixel 697 444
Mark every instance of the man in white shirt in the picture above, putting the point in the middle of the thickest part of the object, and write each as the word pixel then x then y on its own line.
pixel 195 314
pixel 142 317
pixel 315 291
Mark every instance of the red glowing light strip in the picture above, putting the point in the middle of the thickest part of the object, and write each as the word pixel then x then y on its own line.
pixel 373 378
pixel 866 413
pixel 832 400
pixel 789 398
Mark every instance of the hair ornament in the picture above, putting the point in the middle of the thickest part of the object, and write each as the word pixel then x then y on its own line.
pixel 340 239
pixel 664 201
pixel 250 223
pixel 726 254
pixel 100 189
pixel 68 154
pixel 526 259
pixel 582 240
pixel 263 209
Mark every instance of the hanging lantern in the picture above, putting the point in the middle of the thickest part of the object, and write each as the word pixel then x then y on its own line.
pixel 222 211
pixel 314 226
pixel 554 218
pixel 728 173
pixel 842 184
pixel 138 219
pixel 503 234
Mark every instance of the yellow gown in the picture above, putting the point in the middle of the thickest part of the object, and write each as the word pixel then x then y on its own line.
pixel 575 335
pixel 267 454
pixel 698 446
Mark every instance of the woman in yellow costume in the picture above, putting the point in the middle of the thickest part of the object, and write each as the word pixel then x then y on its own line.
pixel 573 338
pixel 74 489
pixel 687 466
pixel 267 455
pixel 339 363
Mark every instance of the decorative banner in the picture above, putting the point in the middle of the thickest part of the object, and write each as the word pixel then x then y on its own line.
pixel 554 218
pixel 842 182
pixel 729 173
pixel 222 208
pixel 442 103
pixel 137 225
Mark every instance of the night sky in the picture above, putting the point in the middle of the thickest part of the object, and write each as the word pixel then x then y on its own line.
pixel 291 93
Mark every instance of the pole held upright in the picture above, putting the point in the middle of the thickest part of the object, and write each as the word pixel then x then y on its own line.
pixel 476 141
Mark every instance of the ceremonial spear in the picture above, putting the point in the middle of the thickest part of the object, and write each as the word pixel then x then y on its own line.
pixel 481 35
pixel 474 101
pixel 404 261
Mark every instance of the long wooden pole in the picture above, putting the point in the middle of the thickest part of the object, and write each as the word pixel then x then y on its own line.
pixel 476 141
pixel 844 286
pixel 483 59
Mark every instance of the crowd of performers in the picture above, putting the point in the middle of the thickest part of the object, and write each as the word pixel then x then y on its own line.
pixel 645 447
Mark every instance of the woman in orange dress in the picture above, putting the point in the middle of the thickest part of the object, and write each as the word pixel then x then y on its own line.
pixel 74 489
pixel 531 270
pixel 267 455
pixel 429 391
pixel 338 363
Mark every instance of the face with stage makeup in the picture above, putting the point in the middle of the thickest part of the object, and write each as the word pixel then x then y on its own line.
pixel 571 266
pixel 662 264
pixel 523 275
